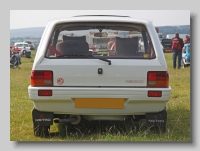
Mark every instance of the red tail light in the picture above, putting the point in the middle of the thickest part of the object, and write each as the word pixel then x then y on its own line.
pixel 157 79
pixel 154 93
pixel 44 92
pixel 41 78
pixel 16 48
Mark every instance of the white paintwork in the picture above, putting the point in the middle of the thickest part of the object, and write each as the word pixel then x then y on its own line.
pixel 83 72
pixel 81 79
pixel 136 100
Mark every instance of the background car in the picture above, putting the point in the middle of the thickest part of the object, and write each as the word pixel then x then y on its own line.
pixel 14 48
pixel 32 46
pixel 186 55
pixel 24 47
pixel 166 43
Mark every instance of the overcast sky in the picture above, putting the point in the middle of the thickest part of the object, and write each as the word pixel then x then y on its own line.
pixel 39 18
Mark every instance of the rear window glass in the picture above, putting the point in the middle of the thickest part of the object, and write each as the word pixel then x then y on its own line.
pixel 102 40
pixel 22 45
pixel 166 40
pixel 19 45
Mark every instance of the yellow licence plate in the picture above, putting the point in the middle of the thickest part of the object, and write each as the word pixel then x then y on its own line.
pixel 113 103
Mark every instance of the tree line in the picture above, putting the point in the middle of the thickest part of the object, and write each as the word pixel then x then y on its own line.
pixel 174 29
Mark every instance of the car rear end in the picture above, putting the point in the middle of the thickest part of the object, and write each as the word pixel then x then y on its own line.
pixel 31 45
pixel 167 45
pixel 77 85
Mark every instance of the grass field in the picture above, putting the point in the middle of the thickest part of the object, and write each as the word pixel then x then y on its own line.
pixel 178 107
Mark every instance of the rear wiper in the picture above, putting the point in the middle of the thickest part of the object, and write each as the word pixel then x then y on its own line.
pixel 81 55
pixel 103 59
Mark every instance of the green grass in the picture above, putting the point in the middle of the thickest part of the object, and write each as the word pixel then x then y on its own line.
pixel 178 107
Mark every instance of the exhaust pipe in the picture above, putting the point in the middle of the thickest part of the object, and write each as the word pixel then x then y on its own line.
pixel 73 119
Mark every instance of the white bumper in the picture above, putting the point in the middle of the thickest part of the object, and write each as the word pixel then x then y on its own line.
pixel 136 101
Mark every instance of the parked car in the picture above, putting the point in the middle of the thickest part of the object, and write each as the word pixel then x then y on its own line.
pixel 24 47
pixel 31 45
pixel 186 55
pixel 14 48
pixel 167 43
pixel 70 85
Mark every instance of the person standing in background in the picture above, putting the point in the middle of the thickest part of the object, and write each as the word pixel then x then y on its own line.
pixel 177 45
pixel 187 39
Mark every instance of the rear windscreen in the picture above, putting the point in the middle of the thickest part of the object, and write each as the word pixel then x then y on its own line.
pixel 100 39
pixel 166 40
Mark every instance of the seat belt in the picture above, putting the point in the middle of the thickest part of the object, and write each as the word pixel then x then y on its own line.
pixel 54 50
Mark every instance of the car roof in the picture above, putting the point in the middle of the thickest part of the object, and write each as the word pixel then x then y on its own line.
pixel 21 43
pixel 103 18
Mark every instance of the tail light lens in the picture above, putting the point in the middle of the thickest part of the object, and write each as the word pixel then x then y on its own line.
pixel 41 78
pixel 158 79
pixel 17 49
pixel 154 93
pixel 44 92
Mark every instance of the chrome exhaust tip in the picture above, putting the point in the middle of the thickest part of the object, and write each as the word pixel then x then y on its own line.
pixel 77 117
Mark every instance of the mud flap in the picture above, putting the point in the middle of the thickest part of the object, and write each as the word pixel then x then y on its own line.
pixel 157 119
pixel 42 118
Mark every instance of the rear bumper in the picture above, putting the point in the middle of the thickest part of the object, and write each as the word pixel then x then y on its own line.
pixel 136 101
pixel 167 50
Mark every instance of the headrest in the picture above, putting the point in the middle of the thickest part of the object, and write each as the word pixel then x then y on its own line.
pixel 127 46
pixel 81 38
pixel 75 47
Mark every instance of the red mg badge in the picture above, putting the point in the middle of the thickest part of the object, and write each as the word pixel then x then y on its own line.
pixel 60 81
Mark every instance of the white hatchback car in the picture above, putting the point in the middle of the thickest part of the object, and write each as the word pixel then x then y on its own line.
pixel 70 83
pixel 24 47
